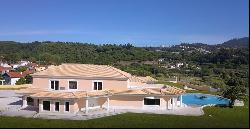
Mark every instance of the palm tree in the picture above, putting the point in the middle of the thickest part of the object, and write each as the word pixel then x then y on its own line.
pixel 235 90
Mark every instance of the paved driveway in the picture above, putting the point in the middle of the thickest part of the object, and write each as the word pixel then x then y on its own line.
pixel 9 100
pixel 11 104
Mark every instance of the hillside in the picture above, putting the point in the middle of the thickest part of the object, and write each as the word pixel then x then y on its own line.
pixel 237 43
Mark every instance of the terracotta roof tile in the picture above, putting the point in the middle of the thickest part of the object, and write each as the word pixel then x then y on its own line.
pixel 84 70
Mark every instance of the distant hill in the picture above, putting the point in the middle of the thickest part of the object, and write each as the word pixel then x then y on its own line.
pixel 237 43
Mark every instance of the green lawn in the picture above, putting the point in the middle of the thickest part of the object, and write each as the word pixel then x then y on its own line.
pixel 214 117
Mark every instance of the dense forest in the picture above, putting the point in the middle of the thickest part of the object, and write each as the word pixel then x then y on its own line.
pixel 216 63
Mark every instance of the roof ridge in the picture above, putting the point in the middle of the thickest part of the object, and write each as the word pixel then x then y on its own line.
pixel 118 70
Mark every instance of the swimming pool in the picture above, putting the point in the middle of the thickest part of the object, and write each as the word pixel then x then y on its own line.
pixel 203 99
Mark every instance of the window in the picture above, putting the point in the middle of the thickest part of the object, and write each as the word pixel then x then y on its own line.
pixel 151 101
pixel 97 85
pixel 57 104
pixel 72 84
pixel 67 106
pixel 178 98
pixel 46 105
pixel 30 101
pixel 54 85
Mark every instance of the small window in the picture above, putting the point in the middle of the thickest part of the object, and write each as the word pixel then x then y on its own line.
pixel 72 84
pixel 67 106
pixel 46 105
pixel 57 105
pixel 54 85
pixel 97 85
pixel 151 101
pixel 178 98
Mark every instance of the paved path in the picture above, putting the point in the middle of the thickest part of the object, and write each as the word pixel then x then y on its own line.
pixel 187 111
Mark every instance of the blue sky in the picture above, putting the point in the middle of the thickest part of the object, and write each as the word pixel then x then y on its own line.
pixel 140 22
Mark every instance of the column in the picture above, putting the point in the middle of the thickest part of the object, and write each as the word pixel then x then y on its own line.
pixel 24 101
pixel 35 102
pixel 181 100
pixel 86 106
pixel 40 107
pixel 172 103
pixel 108 103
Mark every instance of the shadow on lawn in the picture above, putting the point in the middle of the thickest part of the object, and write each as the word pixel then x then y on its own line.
pixel 222 105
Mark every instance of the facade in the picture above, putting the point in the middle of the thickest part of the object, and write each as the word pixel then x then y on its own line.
pixel 10 78
pixel 72 88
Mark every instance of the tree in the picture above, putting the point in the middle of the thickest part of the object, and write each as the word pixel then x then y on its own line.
pixel 234 90
pixel 22 69
pixel 28 79
pixel 21 81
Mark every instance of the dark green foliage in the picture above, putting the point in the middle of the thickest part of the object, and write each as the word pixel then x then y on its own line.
pixel 235 90
pixel 28 79
pixel 220 64
pixel 21 81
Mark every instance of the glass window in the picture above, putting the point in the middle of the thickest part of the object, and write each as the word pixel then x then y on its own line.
pixel 151 101
pixel 72 84
pixel 97 85
pixel 57 104
pixel 54 85
pixel 46 105
pixel 67 106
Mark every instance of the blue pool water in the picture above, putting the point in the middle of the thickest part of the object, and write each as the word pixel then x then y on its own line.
pixel 203 99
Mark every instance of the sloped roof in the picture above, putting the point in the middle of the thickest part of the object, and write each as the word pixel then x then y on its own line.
pixel 19 74
pixel 84 71
pixel 39 93
pixel 4 68
pixel 16 74
pixel 150 91
pixel 70 94
pixel 30 90
pixel 142 79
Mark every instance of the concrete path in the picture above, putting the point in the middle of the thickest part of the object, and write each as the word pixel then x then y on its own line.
pixel 186 111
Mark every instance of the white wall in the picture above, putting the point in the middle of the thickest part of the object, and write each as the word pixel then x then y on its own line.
pixel 13 81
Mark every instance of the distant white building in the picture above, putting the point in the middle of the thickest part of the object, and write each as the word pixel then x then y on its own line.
pixel 23 63
pixel 161 59
pixel 178 65
pixel 5 65
pixel 172 67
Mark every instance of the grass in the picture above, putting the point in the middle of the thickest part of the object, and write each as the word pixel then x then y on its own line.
pixel 214 117
pixel 171 84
